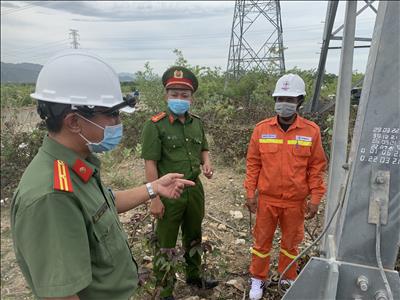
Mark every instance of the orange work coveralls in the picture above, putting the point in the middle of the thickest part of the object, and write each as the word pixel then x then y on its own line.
pixel 285 167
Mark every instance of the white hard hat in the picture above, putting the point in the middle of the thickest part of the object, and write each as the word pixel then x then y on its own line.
pixel 78 78
pixel 289 85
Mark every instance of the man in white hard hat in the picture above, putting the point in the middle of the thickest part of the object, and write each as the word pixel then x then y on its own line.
pixel 67 237
pixel 285 164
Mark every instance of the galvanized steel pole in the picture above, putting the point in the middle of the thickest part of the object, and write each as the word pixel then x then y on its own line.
pixel 342 113
pixel 329 21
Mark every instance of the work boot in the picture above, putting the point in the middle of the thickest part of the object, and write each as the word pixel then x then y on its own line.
pixel 286 284
pixel 208 284
pixel 257 289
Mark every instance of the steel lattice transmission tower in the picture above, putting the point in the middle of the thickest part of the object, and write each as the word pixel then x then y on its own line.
pixel 256 38
pixel 73 33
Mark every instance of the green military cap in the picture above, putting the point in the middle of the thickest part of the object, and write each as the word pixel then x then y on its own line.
pixel 180 75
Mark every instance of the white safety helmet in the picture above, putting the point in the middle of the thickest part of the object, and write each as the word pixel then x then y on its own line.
pixel 289 85
pixel 79 78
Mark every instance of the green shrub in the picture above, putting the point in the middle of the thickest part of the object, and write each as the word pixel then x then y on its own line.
pixel 17 150
pixel 133 125
pixel 16 95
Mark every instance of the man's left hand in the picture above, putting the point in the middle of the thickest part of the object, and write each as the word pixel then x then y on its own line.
pixel 311 210
pixel 207 170
pixel 171 185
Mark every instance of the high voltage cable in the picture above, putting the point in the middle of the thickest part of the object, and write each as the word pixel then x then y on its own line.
pixel 11 10
pixel 43 54
pixel 35 53
pixel 44 46
pixel 16 10
pixel 216 35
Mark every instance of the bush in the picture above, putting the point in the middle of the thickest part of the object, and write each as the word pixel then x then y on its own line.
pixel 133 125
pixel 17 150
pixel 16 95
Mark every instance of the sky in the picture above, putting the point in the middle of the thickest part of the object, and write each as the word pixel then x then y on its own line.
pixel 127 34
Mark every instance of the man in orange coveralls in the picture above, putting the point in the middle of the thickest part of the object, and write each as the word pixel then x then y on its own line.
pixel 285 164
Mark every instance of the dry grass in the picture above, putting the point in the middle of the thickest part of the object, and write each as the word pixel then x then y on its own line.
pixel 224 193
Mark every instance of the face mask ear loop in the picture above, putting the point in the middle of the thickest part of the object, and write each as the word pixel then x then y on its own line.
pixel 82 136
pixel 85 139
pixel 97 125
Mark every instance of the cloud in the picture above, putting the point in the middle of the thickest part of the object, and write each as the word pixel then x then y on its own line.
pixel 128 11
pixel 128 33
pixel 9 4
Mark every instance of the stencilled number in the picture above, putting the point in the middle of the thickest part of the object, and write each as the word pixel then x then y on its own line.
pixel 395 130
pixel 383 147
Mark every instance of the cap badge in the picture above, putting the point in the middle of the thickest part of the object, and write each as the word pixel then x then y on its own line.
pixel 178 74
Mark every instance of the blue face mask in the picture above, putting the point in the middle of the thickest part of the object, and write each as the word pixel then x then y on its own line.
pixel 178 107
pixel 112 137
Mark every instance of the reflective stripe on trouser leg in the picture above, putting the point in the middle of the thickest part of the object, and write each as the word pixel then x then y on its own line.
pixel 292 226
pixel 263 233
pixel 285 258
pixel 259 254
pixel 259 267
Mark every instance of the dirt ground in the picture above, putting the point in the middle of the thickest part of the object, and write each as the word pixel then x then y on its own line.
pixel 226 227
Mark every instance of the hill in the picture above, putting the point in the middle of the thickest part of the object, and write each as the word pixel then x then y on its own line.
pixel 19 73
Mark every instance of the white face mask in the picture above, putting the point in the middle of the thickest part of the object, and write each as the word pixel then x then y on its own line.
pixel 285 109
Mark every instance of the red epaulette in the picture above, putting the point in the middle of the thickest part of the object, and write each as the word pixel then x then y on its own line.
pixel 158 117
pixel 62 179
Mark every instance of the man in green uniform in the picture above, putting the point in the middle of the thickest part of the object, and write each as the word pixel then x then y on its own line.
pixel 67 237
pixel 174 141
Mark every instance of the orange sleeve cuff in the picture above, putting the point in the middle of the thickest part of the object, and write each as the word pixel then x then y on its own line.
pixel 250 194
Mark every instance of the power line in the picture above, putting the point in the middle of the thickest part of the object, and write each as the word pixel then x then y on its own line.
pixel 16 10
pixel 45 54
pixel 44 46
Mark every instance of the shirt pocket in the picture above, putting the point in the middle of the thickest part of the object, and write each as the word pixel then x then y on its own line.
pixel 269 149
pixel 195 143
pixel 301 155
pixel 172 143
pixel 174 148
pixel 107 235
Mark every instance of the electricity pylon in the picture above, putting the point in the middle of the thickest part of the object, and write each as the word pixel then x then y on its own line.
pixel 73 33
pixel 248 51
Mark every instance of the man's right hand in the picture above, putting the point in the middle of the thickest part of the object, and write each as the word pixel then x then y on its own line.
pixel 251 204
pixel 157 208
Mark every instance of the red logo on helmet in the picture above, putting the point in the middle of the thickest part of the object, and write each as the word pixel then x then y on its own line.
pixel 285 85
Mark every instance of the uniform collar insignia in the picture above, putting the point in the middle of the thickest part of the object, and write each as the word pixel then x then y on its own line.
pixel 83 171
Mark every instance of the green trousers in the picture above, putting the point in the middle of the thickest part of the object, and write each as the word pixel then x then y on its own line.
pixel 186 213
